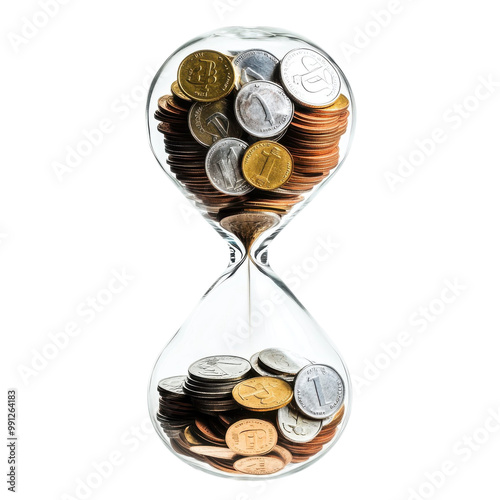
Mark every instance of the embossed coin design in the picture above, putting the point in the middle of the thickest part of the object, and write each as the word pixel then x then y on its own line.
pixel 206 76
pixel 309 78
pixel 296 427
pixel 318 391
pixel 223 167
pixel 263 109
pixel 282 361
pixel 259 465
pixel 267 165
pixel 256 64
pixel 172 385
pixel 263 393
pixel 251 436
pixel 212 121
pixel 223 368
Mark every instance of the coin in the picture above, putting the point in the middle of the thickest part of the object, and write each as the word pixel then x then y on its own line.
pixel 263 109
pixel 318 391
pixel 214 451
pixel 212 121
pixel 295 427
pixel 206 76
pixel 267 165
pixel 176 90
pixel 282 361
pixel 254 361
pixel 259 465
pixel 256 64
pixel 283 453
pixel 172 385
pixel 251 437
pixel 223 368
pixel 309 78
pixel 263 393
pixel 223 167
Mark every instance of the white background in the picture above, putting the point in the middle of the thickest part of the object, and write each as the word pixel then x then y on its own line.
pixel 61 240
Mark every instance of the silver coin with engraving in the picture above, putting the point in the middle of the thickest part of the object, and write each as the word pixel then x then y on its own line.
pixel 318 391
pixel 295 427
pixel 220 368
pixel 211 121
pixel 172 385
pixel 256 64
pixel 309 78
pixel 263 109
pixel 223 167
pixel 258 368
pixel 282 361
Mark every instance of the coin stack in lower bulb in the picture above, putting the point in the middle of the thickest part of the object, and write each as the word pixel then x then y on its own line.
pixel 252 416
pixel 251 133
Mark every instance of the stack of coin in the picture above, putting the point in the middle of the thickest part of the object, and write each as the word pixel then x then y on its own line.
pixel 252 417
pixel 211 381
pixel 175 410
pixel 278 363
pixel 249 133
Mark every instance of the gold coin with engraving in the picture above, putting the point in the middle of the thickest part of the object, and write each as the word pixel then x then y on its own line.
pixel 263 393
pixel 251 436
pixel 176 90
pixel 267 165
pixel 259 465
pixel 206 76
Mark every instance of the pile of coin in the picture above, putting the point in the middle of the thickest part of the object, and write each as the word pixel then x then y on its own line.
pixel 249 133
pixel 252 416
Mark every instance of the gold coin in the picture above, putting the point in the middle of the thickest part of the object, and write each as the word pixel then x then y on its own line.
pixel 176 90
pixel 191 438
pixel 267 165
pixel 263 393
pixel 251 436
pixel 340 103
pixel 259 465
pixel 206 76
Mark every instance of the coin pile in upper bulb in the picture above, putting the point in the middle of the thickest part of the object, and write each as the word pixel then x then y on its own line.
pixel 254 416
pixel 248 132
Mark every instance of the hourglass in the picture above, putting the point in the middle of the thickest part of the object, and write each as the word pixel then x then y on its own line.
pixel 249 123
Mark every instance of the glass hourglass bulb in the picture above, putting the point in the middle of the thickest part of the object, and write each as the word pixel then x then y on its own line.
pixel 250 386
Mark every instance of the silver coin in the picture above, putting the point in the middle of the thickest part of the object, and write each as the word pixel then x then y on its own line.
pixel 318 391
pixel 254 361
pixel 211 121
pixel 172 384
pixel 263 109
pixel 282 361
pixel 256 64
pixel 223 167
pixel 296 427
pixel 220 368
pixel 309 78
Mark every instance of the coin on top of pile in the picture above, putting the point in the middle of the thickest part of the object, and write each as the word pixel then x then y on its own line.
pixel 309 78
pixel 263 393
pixel 256 64
pixel 263 109
pixel 318 391
pixel 267 165
pixel 223 167
pixel 206 76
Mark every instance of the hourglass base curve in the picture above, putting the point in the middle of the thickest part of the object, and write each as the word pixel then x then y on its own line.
pixel 231 393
